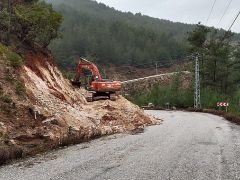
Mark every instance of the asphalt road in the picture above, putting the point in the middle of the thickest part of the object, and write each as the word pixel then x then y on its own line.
pixel 185 146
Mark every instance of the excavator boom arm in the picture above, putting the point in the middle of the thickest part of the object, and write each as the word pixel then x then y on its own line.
pixel 85 64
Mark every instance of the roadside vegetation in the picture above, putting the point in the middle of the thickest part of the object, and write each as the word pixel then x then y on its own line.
pixel 182 98
pixel 12 58
pixel 219 70
pixel 31 23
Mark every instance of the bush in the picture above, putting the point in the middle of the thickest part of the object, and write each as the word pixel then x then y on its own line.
pixel 160 95
pixel 7 104
pixel 3 49
pixel 6 99
pixel 9 78
pixel 20 88
pixel 183 98
pixel 41 20
pixel 14 59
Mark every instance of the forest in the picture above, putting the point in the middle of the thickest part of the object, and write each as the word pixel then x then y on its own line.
pixel 219 74
pixel 107 36
pixel 28 24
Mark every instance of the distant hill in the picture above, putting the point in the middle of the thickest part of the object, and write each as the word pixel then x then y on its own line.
pixel 105 35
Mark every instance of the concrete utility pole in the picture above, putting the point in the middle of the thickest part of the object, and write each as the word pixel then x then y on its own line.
pixel 197 94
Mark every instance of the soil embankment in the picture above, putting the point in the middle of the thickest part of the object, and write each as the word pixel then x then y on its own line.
pixel 52 113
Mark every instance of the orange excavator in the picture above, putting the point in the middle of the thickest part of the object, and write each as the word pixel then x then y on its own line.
pixel 96 85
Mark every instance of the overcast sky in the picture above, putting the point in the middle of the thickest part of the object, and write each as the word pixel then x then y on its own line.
pixel 187 11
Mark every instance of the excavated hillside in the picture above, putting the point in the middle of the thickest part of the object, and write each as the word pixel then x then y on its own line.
pixel 40 110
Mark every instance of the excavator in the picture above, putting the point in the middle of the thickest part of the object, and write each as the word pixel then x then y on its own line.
pixel 96 85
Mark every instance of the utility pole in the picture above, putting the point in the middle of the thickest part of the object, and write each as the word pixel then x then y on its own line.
pixel 156 64
pixel 197 94
pixel 9 21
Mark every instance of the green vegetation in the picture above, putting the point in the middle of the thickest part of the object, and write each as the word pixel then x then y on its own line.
pixel 105 35
pixel 9 78
pixel 34 23
pixel 14 59
pixel 220 75
pixel 162 95
pixel 220 60
pixel 6 99
pixel 20 88
pixel 183 98
pixel 3 49
pixel 6 104
pixel 40 22
pixel 19 85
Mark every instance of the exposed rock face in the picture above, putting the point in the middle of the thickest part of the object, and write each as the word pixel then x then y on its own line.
pixel 52 113
pixel 63 106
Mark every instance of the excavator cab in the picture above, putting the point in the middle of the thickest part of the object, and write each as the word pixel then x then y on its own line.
pixel 85 79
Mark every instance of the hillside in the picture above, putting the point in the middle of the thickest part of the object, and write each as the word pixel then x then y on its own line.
pixel 105 35
pixel 39 108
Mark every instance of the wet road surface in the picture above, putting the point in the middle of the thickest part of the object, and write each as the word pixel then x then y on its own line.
pixel 185 146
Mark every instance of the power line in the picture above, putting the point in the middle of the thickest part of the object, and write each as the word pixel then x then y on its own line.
pixel 234 21
pixel 211 11
pixel 150 61
pixel 153 62
pixel 225 11
pixel 162 65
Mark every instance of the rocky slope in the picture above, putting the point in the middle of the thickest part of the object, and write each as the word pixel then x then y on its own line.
pixel 49 112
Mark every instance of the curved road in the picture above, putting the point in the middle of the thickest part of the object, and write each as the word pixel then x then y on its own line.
pixel 185 146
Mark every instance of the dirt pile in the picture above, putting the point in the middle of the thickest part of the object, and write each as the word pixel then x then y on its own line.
pixel 52 113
